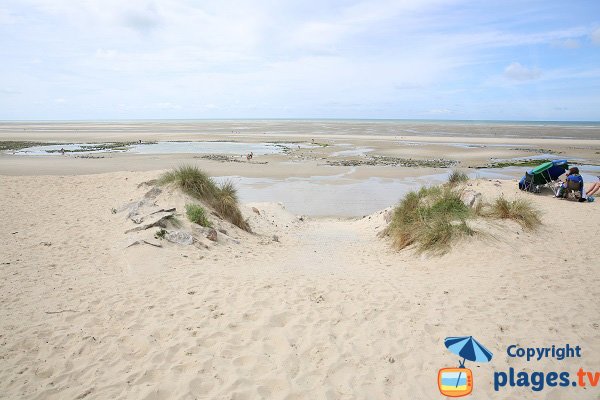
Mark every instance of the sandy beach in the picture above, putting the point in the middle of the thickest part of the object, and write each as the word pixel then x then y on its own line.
pixel 296 200
pixel 307 306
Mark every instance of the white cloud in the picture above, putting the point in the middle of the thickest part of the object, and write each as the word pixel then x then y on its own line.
pixel 220 57
pixel 143 20
pixel 596 36
pixel 487 39
pixel 106 54
pixel 439 111
pixel 7 17
pixel 168 106
pixel 518 72
pixel 9 91
pixel 568 43
pixel 360 18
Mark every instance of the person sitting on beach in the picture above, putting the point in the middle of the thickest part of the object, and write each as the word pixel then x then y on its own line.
pixel 249 156
pixel 594 188
pixel 572 176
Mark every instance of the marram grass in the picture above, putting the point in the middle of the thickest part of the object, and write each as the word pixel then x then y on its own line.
pixel 434 218
pixel 196 183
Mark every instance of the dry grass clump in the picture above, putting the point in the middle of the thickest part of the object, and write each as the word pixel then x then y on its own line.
pixel 197 215
pixel 457 177
pixel 192 181
pixel 226 204
pixel 432 218
pixel 196 183
pixel 441 234
pixel 518 210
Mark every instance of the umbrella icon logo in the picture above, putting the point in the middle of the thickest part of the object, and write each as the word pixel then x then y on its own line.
pixel 458 382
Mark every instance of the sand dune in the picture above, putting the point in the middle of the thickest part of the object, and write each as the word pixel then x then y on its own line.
pixel 329 311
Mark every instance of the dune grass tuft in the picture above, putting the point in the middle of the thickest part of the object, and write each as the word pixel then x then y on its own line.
pixel 457 177
pixel 197 215
pixel 518 210
pixel 438 235
pixel 192 180
pixel 431 218
pixel 196 183
pixel 225 203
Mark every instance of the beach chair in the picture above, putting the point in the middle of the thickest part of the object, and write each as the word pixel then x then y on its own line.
pixel 527 183
pixel 573 190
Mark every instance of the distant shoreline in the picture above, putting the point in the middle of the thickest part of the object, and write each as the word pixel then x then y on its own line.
pixel 509 132
pixel 581 123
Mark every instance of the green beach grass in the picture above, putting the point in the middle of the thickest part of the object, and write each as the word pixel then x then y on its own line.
pixel 434 218
pixel 197 215
pixel 197 184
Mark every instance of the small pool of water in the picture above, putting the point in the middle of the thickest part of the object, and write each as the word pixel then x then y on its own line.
pixel 340 195
pixel 232 148
pixel 74 148
pixel 462 145
pixel 357 152
pixel 335 195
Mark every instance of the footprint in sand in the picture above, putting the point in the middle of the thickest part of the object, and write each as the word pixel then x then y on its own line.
pixel 200 387
pixel 244 361
pixel 279 320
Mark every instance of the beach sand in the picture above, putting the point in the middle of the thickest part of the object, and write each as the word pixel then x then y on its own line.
pixel 303 308
pixel 329 311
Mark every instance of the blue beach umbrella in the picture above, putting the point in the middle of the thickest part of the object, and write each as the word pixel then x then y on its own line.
pixel 469 349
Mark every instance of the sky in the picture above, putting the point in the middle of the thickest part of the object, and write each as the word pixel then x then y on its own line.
pixel 194 59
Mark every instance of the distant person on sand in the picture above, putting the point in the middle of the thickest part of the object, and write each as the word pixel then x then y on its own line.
pixel 249 156
pixel 594 188
pixel 62 151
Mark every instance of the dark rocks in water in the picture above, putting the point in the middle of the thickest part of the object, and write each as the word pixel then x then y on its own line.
pixel 220 158
pixel 395 162
pixel 225 158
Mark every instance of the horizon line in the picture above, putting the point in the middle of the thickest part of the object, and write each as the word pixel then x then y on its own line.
pixel 293 119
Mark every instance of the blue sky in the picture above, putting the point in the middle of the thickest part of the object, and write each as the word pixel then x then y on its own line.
pixel 429 59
